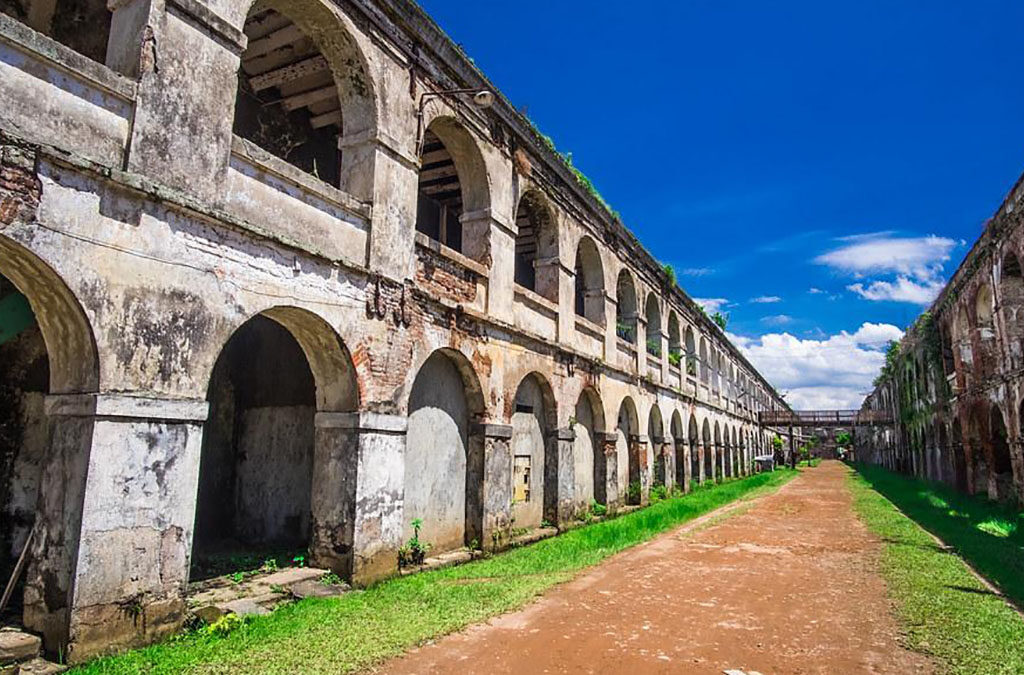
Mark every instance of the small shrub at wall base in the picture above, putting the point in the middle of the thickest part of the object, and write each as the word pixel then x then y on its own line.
pixel 633 491
pixel 658 492
pixel 414 552
pixel 597 509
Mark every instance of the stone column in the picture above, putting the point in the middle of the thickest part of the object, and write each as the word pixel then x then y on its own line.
pixel 357 494
pixel 492 242
pixel 181 135
pixel 561 445
pixel 611 469
pixel 138 509
pixel 643 454
pixel 668 451
pixel 495 498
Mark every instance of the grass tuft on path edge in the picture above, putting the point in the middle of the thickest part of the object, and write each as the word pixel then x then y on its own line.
pixel 947 611
pixel 360 629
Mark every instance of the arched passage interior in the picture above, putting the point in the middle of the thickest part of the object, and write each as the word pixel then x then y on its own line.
pixel 656 434
pixel 628 452
pixel 443 465
pixel 46 347
pixel 262 457
pixel 589 465
pixel 534 469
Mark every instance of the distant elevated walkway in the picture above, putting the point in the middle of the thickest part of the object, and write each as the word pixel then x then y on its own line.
pixel 824 418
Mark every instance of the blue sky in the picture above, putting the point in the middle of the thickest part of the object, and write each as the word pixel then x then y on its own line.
pixel 833 160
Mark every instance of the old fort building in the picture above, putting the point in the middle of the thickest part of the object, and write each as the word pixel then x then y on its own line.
pixel 954 386
pixel 293 274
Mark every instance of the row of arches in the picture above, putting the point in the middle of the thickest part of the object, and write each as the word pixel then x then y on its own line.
pixel 276 463
pixel 305 91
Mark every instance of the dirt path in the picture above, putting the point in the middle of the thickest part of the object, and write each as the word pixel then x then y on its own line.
pixel 788 586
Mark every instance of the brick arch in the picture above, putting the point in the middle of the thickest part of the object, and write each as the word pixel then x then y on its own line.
pixel 67 331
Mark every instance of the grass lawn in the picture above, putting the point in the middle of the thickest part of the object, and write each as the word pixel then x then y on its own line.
pixel 946 610
pixel 333 635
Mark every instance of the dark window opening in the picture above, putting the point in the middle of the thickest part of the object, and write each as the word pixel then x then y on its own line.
pixel 82 25
pixel 439 206
pixel 287 99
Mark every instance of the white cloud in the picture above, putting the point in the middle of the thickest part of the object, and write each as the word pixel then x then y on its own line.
pixel 766 299
pixel 777 320
pixel 711 305
pixel 815 291
pixel 696 271
pixel 901 290
pixel 920 258
pixel 833 372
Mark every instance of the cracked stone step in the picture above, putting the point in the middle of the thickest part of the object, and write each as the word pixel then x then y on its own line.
pixel 17 646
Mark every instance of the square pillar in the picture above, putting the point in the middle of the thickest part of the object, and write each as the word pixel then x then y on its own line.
pixel 138 510
pixel 564 507
pixel 610 469
pixel 642 449
pixel 495 489
pixel 358 493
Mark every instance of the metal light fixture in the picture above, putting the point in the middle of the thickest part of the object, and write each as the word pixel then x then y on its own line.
pixel 482 98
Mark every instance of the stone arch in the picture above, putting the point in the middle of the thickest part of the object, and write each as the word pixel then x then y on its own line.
pixel 537 262
pixel 261 461
pixel 679 445
pixel 718 454
pixel 977 424
pixel 728 462
pixel 454 190
pixel 1002 467
pixel 47 347
pixel 1011 305
pixel 960 465
pixel 305 93
pixel 589 282
pixel 696 450
pixel 675 347
pixel 656 436
pixel 625 307
pixel 444 452
pixel 691 352
pixel 652 315
pixel 707 443
pixel 628 451
pixel 705 365
pixel 983 306
pixel 589 464
pixel 534 461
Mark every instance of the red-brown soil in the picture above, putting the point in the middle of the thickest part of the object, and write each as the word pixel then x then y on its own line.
pixel 788 585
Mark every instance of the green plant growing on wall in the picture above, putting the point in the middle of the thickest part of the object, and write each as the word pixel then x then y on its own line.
pixel 722 320
pixel 670 272
pixel 414 552
pixel 654 346
pixel 675 357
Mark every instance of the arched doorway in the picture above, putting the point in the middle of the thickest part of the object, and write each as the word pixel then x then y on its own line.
pixel 46 348
pixel 696 452
pixel 1002 468
pixel 656 434
pixel 444 461
pixel 708 451
pixel 262 456
pixel 719 454
pixel 534 469
pixel 959 458
pixel 679 444
pixel 628 452
pixel 589 464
